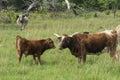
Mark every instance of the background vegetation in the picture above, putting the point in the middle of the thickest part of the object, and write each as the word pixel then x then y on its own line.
pixel 56 64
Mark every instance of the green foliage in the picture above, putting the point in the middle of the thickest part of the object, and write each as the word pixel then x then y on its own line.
pixel 7 16
pixel 60 5
pixel 16 3
pixel 107 12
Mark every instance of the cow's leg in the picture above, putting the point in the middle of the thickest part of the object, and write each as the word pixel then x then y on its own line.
pixel 108 50
pixel 84 58
pixel 34 58
pixel 25 24
pixel 19 57
pixel 19 54
pixel 79 59
pixel 113 53
pixel 83 53
pixel 21 26
pixel 39 59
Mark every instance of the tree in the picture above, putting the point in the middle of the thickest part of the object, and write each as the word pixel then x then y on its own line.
pixel 115 4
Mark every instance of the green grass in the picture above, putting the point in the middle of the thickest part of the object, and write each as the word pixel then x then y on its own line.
pixel 56 64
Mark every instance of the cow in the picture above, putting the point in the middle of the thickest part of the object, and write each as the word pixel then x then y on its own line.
pixel 22 20
pixel 32 47
pixel 81 44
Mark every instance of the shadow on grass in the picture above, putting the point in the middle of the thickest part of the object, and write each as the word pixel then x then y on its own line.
pixel 43 63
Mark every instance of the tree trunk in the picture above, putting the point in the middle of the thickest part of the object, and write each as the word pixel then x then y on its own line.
pixel 115 7
pixel 32 5
pixel 68 4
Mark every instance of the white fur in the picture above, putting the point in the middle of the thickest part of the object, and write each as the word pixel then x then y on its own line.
pixel 116 56
pixel 109 32
pixel 62 38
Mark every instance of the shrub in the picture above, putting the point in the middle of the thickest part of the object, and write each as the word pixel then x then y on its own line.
pixel 7 16
pixel 107 12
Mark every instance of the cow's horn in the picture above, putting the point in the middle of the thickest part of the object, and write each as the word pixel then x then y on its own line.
pixel 56 35
pixel 73 34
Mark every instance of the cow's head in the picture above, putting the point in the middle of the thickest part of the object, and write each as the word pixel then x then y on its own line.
pixel 50 43
pixel 65 41
pixel 21 17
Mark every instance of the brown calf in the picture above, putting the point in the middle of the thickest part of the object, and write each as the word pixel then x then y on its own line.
pixel 32 47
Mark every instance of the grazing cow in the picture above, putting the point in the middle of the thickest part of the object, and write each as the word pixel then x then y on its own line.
pixel 82 44
pixel 22 21
pixel 32 47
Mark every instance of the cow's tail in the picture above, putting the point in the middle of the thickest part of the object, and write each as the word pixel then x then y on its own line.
pixel 117 42
pixel 18 42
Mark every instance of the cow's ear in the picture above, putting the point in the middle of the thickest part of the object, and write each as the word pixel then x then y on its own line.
pixel 49 39
pixel 23 16
pixel 18 36
pixel 17 16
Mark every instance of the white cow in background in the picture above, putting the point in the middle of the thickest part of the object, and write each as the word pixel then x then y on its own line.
pixel 22 21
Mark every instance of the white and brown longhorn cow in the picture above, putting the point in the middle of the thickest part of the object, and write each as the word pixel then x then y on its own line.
pixel 82 44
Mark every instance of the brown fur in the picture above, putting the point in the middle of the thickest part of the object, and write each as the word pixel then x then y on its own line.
pixel 32 47
pixel 81 44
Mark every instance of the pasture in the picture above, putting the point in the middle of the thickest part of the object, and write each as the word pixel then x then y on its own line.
pixel 56 64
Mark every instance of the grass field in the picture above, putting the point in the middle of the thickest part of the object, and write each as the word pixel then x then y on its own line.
pixel 56 64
